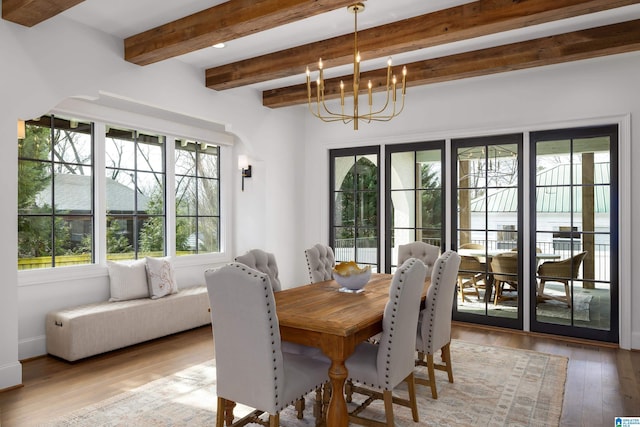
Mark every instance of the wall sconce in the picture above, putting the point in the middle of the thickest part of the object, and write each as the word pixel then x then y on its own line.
pixel 21 129
pixel 245 167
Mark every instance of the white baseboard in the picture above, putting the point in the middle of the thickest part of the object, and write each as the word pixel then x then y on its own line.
pixel 635 340
pixel 32 347
pixel 10 375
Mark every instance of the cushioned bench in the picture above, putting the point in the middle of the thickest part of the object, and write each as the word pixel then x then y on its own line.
pixel 91 329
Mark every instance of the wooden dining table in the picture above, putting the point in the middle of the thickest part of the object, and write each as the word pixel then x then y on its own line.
pixel 321 316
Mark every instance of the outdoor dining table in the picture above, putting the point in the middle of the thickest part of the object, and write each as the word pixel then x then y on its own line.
pixel 481 253
pixel 321 316
pixel 488 254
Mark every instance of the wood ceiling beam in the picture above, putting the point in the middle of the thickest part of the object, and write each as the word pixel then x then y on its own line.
pixel 470 20
pixel 227 21
pixel 595 42
pixel 32 12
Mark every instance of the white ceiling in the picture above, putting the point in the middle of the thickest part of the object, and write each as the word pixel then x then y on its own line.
pixel 124 18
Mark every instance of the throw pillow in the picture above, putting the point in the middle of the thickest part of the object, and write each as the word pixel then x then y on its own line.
pixel 128 280
pixel 161 277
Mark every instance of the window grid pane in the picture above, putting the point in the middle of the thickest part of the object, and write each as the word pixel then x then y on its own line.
pixel 197 198
pixel 55 193
pixel 135 190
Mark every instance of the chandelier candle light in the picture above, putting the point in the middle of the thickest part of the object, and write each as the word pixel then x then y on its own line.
pixel 383 114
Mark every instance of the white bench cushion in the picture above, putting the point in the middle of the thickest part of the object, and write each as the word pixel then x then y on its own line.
pixel 91 329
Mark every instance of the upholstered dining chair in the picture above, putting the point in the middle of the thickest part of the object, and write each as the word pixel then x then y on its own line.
pixel 434 323
pixel 264 262
pixel 376 369
pixel 505 273
pixel 423 251
pixel 251 367
pixel 560 271
pixel 320 262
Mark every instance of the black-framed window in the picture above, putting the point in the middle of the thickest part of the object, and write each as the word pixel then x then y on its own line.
pixel 414 188
pixel 55 193
pixel 135 193
pixel 197 174
pixel 355 205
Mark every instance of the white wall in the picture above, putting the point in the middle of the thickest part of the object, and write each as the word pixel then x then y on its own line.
pixel 284 206
pixel 602 90
pixel 58 59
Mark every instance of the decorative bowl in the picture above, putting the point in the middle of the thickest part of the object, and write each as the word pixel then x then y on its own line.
pixel 350 276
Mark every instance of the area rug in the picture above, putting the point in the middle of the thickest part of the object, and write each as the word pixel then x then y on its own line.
pixel 549 308
pixel 493 386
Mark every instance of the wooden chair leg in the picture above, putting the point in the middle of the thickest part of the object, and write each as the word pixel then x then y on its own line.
pixel 498 288
pixel 220 412
pixel 228 406
pixel 388 407
pixel 411 388
pixel 317 405
pixel 432 376
pixel 461 288
pixel 274 420
pixel 348 391
pixel 300 408
pixel 475 287
pixel 567 293
pixel 326 397
pixel 446 358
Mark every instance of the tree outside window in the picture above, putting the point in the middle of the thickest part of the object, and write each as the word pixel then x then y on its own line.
pixel 135 191
pixel 55 193
pixel 197 198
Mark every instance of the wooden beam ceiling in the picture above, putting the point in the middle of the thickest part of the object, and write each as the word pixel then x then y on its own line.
pixel 467 21
pixel 607 40
pixel 32 12
pixel 238 18
pixel 227 21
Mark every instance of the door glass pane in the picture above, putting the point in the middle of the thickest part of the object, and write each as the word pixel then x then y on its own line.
pixel 403 170
pixel 415 197
pixel 344 173
pixel 354 207
pixel 367 208
pixel 430 212
pixel 344 212
pixel 404 211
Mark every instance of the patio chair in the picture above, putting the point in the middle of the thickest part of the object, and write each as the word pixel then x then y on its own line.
pixel 472 273
pixel 471 277
pixel 505 273
pixel 562 272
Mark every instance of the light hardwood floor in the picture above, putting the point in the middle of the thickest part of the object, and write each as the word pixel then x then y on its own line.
pixel 602 382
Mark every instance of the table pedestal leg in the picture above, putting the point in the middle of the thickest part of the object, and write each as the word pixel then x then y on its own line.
pixel 337 415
